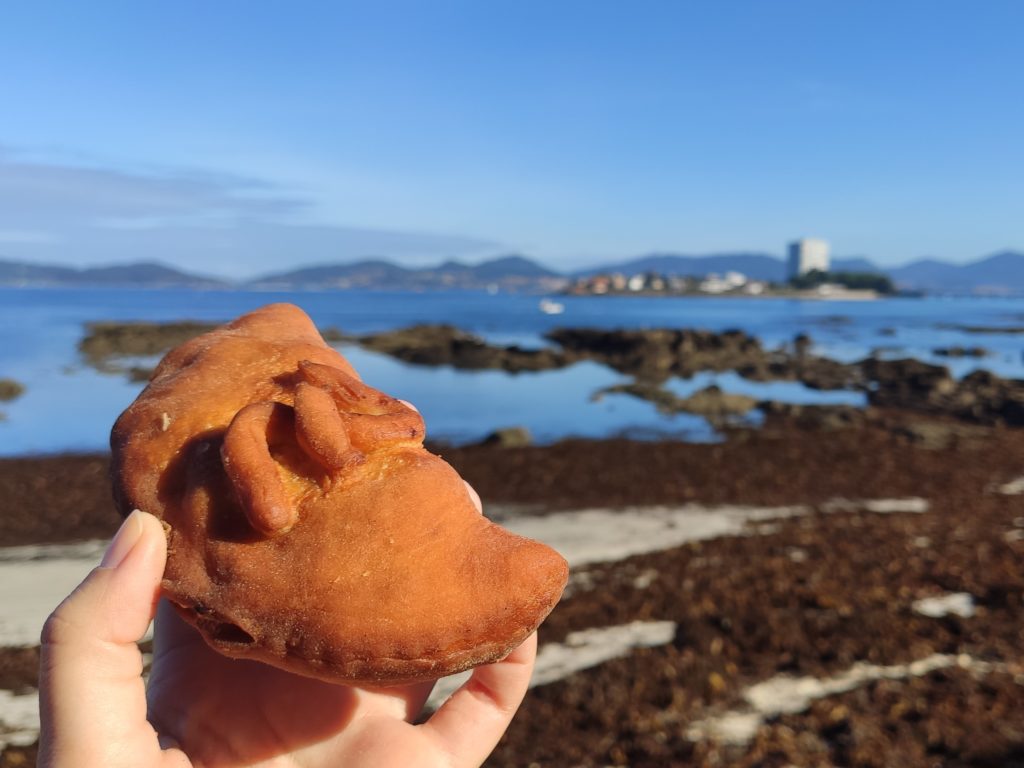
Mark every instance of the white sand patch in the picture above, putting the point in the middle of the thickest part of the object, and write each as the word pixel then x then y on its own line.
pixel 913 505
pixel 789 695
pixel 956 603
pixel 581 650
pixel 1012 488
pixel 910 504
pixel 19 719
pixel 34 580
pixel 605 535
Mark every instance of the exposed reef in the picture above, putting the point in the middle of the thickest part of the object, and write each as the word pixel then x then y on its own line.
pixel 448 345
pixel 650 356
pixel 10 390
pixel 710 402
pixel 106 341
pixel 1000 329
pixel 980 397
pixel 961 352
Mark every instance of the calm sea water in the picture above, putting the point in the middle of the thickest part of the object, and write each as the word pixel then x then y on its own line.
pixel 69 407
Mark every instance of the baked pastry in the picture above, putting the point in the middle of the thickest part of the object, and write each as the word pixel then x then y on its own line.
pixel 307 526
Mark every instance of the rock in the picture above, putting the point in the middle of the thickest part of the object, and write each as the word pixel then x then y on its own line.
pixel 961 352
pixel 710 402
pixel 334 335
pixel 10 389
pixel 1002 329
pixel 648 354
pixel 108 340
pixel 659 353
pixel 937 436
pixel 905 383
pixel 813 417
pixel 105 342
pixel 140 374
pixel 801 344
pixel 713 403
pixel 447 345
pixel 980 397
pixel 985 398
pixel 509 437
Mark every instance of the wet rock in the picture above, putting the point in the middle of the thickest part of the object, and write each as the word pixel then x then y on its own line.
pixel 105 343
pixel 938 435
pixel 823 373
pixel 980 397
pixel 447 345
pixel 108 340
pixel 710 402
pixel 713 403
pixel 657 354
pixel 961 352
pixel 334 335
pixel 801 345
pixel 813 417
pixel 140 374
pixel 509 437
pixel 10 389
pixel 985 398
pixel 1008 329
pixel 660 353
pixel 905 383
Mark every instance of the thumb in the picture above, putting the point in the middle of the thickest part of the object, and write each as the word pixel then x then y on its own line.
pixel 92 699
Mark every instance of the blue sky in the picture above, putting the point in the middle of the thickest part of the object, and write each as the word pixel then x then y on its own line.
pixel 239 137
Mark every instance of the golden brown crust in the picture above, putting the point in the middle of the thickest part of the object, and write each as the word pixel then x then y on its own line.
pixel 308 527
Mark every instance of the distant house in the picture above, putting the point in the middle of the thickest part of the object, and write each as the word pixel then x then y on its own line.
pixel 808 255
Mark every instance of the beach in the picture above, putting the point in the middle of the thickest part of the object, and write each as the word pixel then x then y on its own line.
pixel 786 597
pixel 794 533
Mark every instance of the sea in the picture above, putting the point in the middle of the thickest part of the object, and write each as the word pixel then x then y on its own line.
pixel 68 406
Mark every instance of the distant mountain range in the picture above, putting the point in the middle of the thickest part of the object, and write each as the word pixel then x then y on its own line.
pixel 508 272
pixel 143 273
pixel 998 274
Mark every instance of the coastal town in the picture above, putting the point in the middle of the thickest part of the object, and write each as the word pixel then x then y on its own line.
pixel 809 277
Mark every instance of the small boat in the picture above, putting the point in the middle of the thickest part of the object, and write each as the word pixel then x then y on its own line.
pixel 549 307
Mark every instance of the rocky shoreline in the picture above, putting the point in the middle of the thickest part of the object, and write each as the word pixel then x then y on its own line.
pixel 649 356
pixel 881 572
pixel 835 585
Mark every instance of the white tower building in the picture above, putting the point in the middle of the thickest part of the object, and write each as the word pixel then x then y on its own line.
pixel 807 255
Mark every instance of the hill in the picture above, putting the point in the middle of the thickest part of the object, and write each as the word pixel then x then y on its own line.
pixel 508 272
pixel 999 274
pixel 141 274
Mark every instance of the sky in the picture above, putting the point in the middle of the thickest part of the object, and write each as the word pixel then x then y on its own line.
pixel 240 138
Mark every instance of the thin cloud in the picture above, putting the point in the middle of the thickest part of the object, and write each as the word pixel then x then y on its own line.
pixel 217 223
pixel 26 236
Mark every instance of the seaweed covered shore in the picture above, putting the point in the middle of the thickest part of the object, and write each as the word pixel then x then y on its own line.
pixel 862 605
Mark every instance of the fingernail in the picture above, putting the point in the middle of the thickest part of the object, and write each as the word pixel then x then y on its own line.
pixel 124 540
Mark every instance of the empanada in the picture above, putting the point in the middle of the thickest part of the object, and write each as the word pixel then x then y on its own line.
pixel 307 526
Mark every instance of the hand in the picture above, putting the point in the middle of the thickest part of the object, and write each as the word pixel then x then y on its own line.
pixel 205 710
